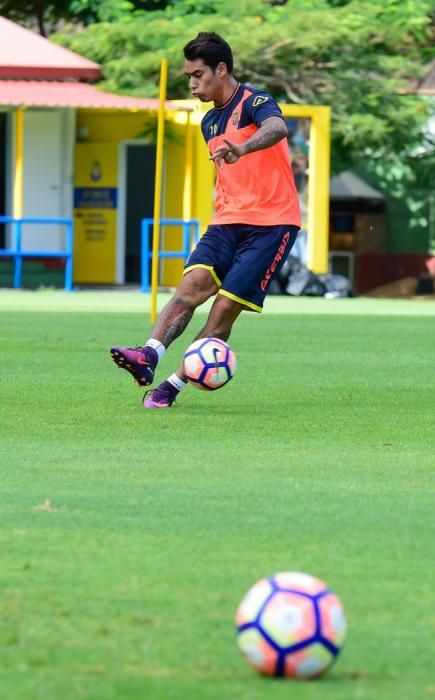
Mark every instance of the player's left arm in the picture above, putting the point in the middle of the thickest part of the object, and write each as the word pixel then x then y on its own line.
pixel 272 130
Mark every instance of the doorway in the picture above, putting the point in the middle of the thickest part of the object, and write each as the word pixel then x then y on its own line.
pixel 43 155
pixel 140 166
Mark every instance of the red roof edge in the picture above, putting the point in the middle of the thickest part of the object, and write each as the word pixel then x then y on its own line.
pixel 69 93
pixel 48 73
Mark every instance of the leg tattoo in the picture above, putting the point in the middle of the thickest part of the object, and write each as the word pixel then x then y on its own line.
pixel 173 320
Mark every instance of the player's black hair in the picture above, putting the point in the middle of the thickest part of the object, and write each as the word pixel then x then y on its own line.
pixel 211 48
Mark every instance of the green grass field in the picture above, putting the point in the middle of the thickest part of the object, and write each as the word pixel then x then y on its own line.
pixel 129 537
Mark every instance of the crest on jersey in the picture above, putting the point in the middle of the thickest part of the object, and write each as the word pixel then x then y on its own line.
pixel 259 100
pixel 235 118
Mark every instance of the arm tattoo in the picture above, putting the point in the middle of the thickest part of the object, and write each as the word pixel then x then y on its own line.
pixel 270 132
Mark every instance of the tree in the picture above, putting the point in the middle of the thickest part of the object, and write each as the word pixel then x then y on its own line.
pixel 359 56
pixel 48 14
pixel 39 12
pixel 360 62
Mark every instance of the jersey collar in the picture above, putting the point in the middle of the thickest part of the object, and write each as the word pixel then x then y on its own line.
pixel 236 89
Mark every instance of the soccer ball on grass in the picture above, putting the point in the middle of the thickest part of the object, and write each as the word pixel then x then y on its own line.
pixel 209 363
pixel 290 625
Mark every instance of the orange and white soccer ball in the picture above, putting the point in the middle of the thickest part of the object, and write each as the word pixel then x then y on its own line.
pixel 290 625
pixel 209 363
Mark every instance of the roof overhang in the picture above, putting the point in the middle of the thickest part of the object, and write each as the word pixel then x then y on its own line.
pixel 48 73
pixel 348 186
pixel 32 93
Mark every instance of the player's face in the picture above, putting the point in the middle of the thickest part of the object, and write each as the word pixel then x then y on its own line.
pixel 204 83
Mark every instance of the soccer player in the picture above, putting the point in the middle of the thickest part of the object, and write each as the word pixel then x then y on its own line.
pixel 256 222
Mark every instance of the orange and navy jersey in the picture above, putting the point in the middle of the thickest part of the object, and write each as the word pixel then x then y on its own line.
pixel 259 188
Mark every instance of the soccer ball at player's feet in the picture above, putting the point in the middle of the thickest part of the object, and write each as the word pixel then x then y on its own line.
pixel 209 363
pixel 290 625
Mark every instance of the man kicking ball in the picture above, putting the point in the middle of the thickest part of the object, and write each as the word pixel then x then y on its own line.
pixel 257 215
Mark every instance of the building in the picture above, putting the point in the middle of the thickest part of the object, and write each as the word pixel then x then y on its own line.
pixel 73 142
pixel 67 149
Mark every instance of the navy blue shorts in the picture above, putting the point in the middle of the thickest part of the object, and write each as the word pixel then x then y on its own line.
pixel 243 259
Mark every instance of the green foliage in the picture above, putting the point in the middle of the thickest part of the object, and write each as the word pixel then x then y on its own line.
pixel 358 56
pixel 364 56
pixel 43 14
pixel 48 13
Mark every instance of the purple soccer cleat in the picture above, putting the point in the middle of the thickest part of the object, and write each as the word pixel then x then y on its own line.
pixel 162 396
pixel 140 362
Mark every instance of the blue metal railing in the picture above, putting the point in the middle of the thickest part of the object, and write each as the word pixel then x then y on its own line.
pixel 18 254
pixel 189 226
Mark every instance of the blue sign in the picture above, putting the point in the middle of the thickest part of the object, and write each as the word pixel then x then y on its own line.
pixel 95 197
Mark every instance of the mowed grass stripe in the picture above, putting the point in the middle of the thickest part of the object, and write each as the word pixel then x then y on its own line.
pixel 128 538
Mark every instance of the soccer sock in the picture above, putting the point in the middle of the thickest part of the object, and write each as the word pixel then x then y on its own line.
pixel 157 346
pixel 176 382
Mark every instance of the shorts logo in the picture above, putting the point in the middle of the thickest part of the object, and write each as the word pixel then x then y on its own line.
pixel 277 259
pixel 259 101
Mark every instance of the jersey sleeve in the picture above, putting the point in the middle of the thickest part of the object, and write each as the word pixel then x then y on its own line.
pixel 260 106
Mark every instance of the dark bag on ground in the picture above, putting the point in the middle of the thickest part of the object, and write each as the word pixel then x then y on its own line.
pixel 294 279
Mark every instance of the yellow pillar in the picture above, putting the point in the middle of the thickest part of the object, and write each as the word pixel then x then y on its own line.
pixel 318 191
pixel 188 167
pixel 18 170
pixel 158 188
